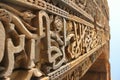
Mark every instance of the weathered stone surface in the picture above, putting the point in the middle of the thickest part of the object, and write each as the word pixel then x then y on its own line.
pixel 54 40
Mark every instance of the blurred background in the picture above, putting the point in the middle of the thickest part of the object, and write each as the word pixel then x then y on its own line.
pixel 114 6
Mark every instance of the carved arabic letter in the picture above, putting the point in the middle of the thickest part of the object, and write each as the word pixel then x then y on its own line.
pixel 25 58
pixel 11 50
pixel 2 41
pixel 22 28
pixel 30 50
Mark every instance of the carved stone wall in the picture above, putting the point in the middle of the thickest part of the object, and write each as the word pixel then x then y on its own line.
pixel 51 39
pixel 101 68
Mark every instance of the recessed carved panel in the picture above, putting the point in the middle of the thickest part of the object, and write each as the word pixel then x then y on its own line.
pixel 54 39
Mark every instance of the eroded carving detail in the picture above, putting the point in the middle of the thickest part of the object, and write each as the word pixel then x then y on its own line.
pixel 50 37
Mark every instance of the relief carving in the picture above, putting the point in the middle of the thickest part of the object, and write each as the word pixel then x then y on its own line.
pixel 54 36
pixel 57 39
